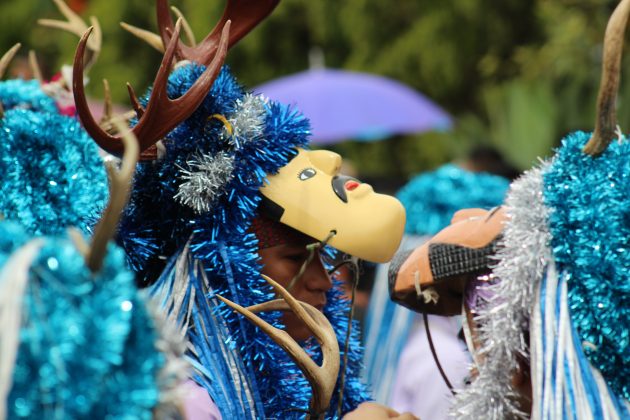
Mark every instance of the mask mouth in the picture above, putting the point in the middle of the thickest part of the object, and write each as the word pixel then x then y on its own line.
pixel 343 183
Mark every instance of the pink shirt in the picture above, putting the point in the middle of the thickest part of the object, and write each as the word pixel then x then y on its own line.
pixel 197 403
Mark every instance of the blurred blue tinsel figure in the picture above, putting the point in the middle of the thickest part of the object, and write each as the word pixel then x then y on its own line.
pixel 75 344
pixel 52 175
pixel 78 344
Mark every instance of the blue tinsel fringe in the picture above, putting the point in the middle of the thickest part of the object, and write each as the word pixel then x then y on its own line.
pixel 590 225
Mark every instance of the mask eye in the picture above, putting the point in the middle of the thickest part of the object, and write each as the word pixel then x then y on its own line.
pixel 307 174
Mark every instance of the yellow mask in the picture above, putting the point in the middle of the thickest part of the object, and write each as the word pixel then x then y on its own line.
pixel 309 195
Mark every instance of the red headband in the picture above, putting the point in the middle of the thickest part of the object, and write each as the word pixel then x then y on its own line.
pixel 271 233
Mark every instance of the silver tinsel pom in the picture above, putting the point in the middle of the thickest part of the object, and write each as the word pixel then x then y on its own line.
pixel 205 181
pixel 247 121
pixel 504 319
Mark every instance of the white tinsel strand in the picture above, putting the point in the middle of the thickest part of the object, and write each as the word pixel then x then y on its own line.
pixel 522 258
pixel 247 121
pixel 205 181
pixel 560 385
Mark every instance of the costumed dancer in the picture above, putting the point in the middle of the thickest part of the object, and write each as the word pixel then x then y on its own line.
pixel 398 359
pixel 550 327
pixel 78 339
pixel 224 186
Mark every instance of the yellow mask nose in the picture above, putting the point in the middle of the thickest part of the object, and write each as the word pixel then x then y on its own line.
pixel 326 161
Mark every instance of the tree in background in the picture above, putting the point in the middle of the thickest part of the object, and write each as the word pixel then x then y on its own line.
pixel 516 75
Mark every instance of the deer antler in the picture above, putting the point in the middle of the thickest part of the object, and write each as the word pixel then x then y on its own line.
pixel 35 68
pixel 606 121
pixel 244 14
pixel 120 185
pixel 4 63
pixel 75 25
pixel 162 114
pixel 7 57
pixel 154 39
pixel 322 378
pixel 149 37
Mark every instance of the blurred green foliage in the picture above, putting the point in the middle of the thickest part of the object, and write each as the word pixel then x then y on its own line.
pixel 517 75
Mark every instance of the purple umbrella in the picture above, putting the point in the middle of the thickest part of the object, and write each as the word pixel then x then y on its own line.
pixel 349 105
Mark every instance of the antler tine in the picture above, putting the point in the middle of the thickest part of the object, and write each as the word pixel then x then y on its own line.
pixel 606 121
pixel 37 71
pixel 120 185
pixel 107 107
pixel 162 114
pixel 294 305
pixel 75 25
pixel 4 63
pixel 245 15
pixel 322 378
pixel 186 26
pixel 134 101
pixel 7 57
pixel 149 37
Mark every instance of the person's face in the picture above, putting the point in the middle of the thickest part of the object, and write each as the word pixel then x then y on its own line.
pixel 282 263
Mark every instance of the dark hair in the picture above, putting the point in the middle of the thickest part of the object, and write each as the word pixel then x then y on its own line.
pixel 488 159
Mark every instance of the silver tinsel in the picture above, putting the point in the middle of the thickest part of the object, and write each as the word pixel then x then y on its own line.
pixel 205 181
pixel 247 121
pixel 171 377
pixel 504 319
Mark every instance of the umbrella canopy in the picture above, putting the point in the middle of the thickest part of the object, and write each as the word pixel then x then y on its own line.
pixel 350 105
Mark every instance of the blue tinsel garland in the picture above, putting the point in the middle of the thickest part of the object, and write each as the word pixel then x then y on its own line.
pixel 432 198
pixel 52 176
pixel 156 225
pixel 27 95
pixel 87 342
pixel 590 225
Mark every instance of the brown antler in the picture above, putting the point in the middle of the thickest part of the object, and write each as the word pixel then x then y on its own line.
pixel 606 121
pixel 162 114
pixel 244 14
pixel 322 378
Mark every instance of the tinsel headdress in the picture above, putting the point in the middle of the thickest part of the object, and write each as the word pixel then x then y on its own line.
pixel 79 340
pixel 52 175
pixel 431 199
pixel 563 277
pixel 186 229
